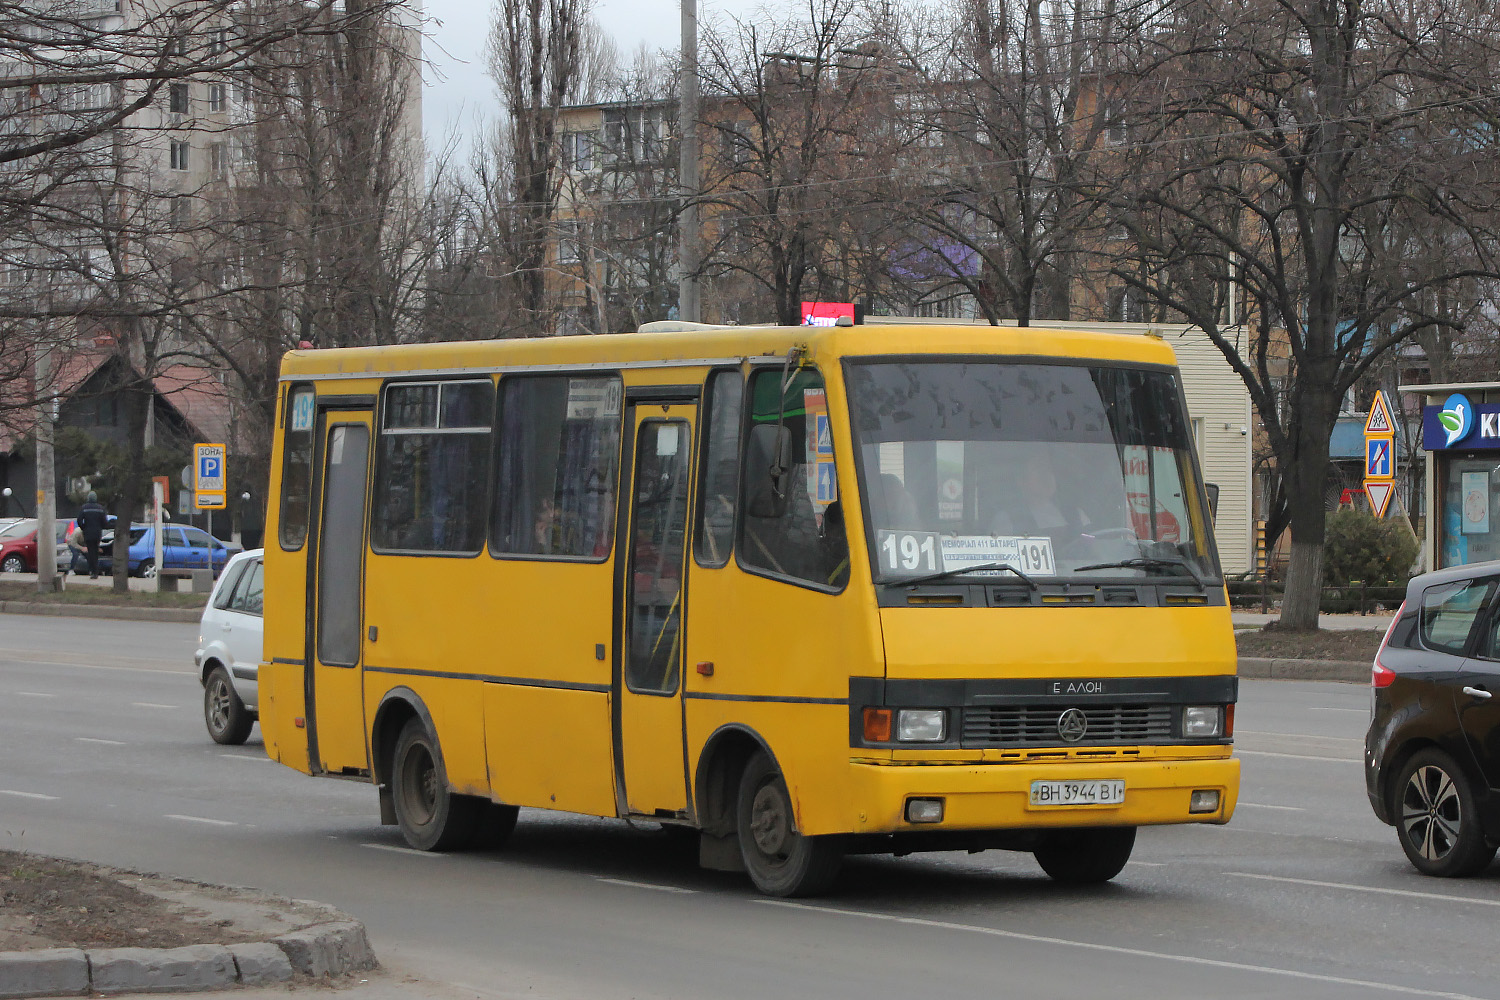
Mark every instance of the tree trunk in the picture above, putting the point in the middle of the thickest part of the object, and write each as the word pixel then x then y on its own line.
pixel 137 396
pixel 1306 477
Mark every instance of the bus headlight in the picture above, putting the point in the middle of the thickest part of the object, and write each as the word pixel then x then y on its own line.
pixel 1202 722
pixel 921 725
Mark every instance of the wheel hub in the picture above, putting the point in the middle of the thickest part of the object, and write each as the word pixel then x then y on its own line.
pixel 769 823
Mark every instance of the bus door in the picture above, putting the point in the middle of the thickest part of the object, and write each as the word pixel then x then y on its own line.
pixel 650 765
pixel 335 604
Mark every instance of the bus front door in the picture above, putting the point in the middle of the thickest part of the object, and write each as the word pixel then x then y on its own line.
pixel 335 688
pixel 648 713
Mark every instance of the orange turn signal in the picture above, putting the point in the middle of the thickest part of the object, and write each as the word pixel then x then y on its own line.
pixel 877 725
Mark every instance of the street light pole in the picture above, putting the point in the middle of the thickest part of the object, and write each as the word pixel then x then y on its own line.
pixel 689 235
pixel 46 477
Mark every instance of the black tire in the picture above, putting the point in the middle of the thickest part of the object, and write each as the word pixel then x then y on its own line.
pixel 224 713
pixel 1436 818
pixel 1087 855
pixel 146 568
pixel 495 824
pixel 13 564
pixel 432 817
pixel 781 861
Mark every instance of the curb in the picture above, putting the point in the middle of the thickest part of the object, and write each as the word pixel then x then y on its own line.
pixel 322 950
pixel 1350 671
pixel 111 611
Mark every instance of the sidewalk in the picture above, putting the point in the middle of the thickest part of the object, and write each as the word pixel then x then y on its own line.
pixel 1254 619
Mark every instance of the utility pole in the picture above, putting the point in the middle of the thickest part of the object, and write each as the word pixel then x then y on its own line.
pixel 689 235
pixel 46 477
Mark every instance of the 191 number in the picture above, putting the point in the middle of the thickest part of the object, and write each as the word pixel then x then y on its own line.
pixel 910 552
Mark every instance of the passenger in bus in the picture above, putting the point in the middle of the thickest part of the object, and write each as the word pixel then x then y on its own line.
pixel 900 509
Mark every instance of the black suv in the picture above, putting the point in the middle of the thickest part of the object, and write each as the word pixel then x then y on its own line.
pixel 1432 755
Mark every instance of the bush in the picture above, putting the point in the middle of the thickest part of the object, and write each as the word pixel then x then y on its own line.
pixel 1360 549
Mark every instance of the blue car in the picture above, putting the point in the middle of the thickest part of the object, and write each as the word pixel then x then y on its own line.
pixel 182 547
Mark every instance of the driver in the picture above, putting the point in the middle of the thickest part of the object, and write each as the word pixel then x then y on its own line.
pixel 1038 511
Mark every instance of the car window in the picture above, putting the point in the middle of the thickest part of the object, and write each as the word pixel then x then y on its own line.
pixel 1449 611
pixel 249 597
pixel 136 534
pixel 173 536
pixel 227 586
pixel 196 538
pixel 18 529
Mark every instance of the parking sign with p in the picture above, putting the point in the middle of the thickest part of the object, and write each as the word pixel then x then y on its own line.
pixel 209 469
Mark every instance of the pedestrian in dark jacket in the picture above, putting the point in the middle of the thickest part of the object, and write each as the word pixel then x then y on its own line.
pixel 92 520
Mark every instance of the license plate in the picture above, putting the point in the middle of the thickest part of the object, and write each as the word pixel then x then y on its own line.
pixel 1110 792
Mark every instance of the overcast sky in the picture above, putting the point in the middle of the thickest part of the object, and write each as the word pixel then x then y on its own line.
pixel 458 93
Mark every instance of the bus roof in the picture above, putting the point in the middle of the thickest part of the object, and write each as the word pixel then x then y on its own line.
pixel 723 344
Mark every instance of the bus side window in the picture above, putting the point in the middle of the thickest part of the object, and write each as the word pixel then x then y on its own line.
pixel 792 526
pixel 296 467
pixel 558 453
pixel 434 452
pixel 720 474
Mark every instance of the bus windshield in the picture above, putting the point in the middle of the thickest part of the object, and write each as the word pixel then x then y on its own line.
pixel 978 468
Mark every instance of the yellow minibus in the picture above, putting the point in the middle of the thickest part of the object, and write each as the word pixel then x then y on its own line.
pixel 806 591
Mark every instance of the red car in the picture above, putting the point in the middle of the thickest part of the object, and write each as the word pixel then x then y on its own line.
pixel 18 545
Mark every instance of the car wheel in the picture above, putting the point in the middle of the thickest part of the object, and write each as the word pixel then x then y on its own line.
pixel 227 719
pixel 1086 856
pixel 432 817
pixel 13 564
pixel 146 569
pixel 781 861
pixel 1436 818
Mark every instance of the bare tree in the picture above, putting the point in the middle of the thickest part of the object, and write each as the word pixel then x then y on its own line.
pixel 1303 180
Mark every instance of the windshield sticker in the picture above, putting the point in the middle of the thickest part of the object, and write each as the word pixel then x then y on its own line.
pixel 822 483
pixel 1032 555
pixel 912 553
pixel 302 411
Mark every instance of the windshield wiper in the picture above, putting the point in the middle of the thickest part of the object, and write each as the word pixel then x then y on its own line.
pixel 961 571
pixel 1148 562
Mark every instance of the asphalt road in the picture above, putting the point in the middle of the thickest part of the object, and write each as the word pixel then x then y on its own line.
pixel 103 756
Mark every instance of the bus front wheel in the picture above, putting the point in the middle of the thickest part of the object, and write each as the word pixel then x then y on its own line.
pixel 431 816
pixel 781 861
pixel 1080 857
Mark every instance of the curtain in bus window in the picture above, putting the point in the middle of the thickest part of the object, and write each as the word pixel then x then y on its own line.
pixel 430 493
pixel 793 523
pixel 558 457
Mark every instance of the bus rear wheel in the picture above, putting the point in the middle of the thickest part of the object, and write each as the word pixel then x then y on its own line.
pixel 1086 856
pixel 781 861
pixel 431 816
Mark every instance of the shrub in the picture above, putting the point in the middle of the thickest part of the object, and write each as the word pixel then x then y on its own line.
pixel 1360 549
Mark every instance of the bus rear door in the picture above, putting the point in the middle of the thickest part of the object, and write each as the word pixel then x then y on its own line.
pixel 649 758
pixel 335 689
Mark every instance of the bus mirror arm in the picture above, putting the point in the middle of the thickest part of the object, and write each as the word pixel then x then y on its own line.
pixel 767 499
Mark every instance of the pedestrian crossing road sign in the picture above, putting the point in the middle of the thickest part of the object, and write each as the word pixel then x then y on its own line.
pixel 1379 420
pixel 1380 458
pixel 1380 496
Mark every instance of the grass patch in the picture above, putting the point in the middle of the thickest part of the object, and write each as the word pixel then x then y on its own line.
pixel 1324 644
pixel 85 594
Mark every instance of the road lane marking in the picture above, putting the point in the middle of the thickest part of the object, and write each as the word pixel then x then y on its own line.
pixel 201 819
pixel 95 739
pixel 1299 736
pixel 1296 756
pixel 645 885
pixel 246 756
pixel 404 850
pixel 1322 708
pixel 150 704
pixel 28 795
pixel 946 925
pixel 1241 804
pixel 1410 893
pixel 7 659
pixel 36 694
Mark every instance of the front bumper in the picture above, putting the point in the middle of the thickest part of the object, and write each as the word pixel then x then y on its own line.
pixel 997 796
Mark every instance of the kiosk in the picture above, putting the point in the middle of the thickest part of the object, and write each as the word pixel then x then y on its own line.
pixel 1461 434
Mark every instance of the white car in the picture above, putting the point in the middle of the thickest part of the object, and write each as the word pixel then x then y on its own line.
pixel 229 649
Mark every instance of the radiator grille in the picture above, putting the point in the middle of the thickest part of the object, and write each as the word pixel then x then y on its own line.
pixel 1036 725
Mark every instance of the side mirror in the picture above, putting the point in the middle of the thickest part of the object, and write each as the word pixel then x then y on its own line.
pixel 769 448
